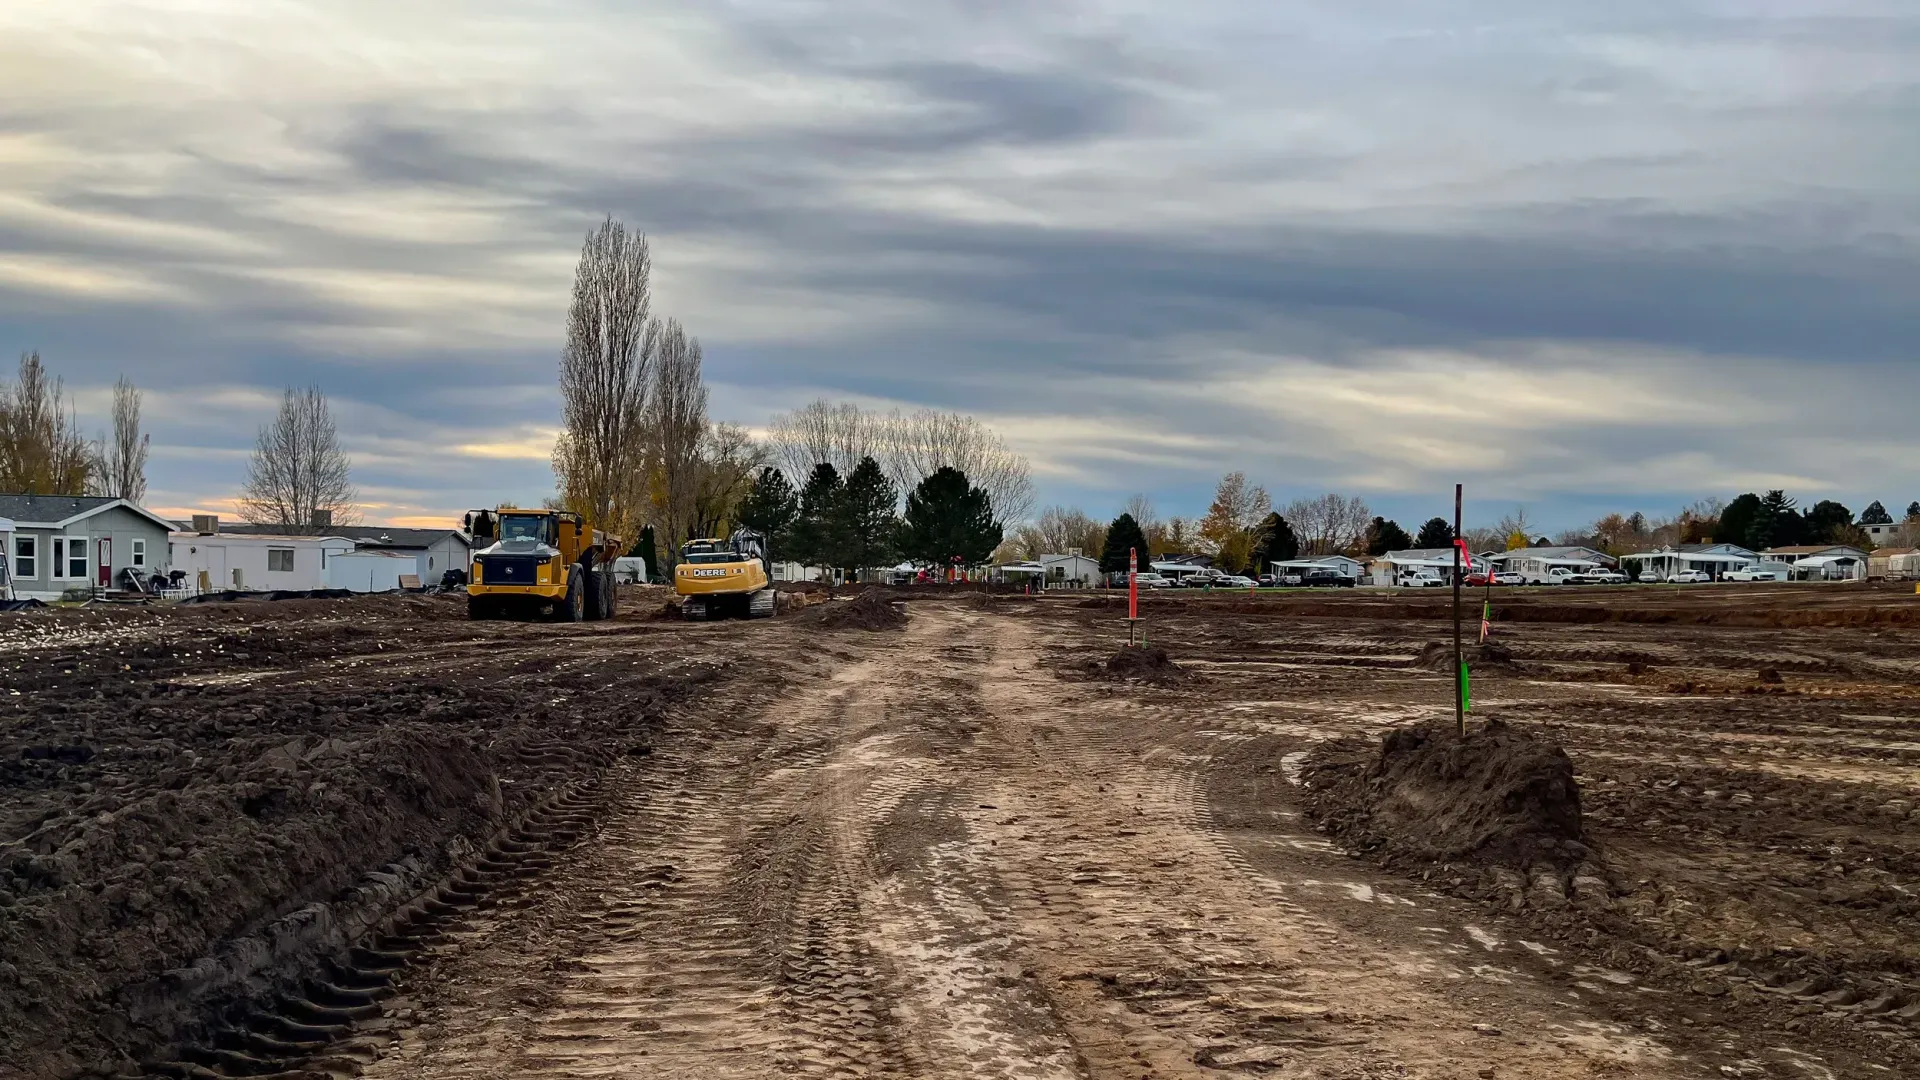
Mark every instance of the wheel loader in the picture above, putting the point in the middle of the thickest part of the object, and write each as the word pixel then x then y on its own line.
pixel 717 578
pixel 534 564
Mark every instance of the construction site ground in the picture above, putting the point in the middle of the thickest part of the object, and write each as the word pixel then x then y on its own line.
pixel 369 837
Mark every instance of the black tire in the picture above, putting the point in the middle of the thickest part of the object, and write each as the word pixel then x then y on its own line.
pixel 592 592
pixel 574 608
pixel 479 607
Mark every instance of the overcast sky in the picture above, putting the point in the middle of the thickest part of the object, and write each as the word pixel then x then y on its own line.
pixel 1582 256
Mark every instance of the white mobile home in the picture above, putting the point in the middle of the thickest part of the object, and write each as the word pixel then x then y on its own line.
pixel 434 551
pixel 1714 560
pixel 370 570
pixel 215 562
pixel 1536 565
pixel 1419 566
pixel 1339 564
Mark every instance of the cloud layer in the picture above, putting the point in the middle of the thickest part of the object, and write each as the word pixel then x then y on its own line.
pixel 1582 256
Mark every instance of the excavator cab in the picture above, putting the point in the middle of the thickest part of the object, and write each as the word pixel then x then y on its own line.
pixel 732 576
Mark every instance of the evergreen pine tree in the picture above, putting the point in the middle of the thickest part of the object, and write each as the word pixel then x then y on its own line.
pixel 867 529
pixel 1275 542
pixel 949 519
pixel 1436 533
pixel 1737 521
pixel 771 507
pixel 1876 514
pixel 1123 535
pixel 812 537
pixel 647 548
pixel 1385 535
pixel 1778 522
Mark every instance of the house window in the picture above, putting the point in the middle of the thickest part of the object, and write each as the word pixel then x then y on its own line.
pixel 26 562
pixel 139 551
pixel 280 560
pixel 70 557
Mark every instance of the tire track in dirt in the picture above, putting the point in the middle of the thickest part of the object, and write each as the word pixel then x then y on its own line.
pixel 1170 953
pixel 795 897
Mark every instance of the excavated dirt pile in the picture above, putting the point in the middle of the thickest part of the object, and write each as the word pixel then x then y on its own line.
pixel 1147 663
pixel 1497 797
pixel 870 610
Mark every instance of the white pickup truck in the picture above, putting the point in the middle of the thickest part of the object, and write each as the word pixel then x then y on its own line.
pixel 1752 572
pixel 1598 575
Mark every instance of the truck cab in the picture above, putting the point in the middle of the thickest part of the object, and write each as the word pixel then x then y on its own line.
pixel 539 562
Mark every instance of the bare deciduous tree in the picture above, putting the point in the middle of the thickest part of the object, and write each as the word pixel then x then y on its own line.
pixel 729 462
pixel 917 445
pixel 676 426
pixel 298 468
pixel 600 459
pixel 1148 518
pixel 1236 509
pixel 820 431
pixel 908 447
pixel 41 448
pixel 122 465
pixel 1056 531
pixel 1329 524
pixel 1516 524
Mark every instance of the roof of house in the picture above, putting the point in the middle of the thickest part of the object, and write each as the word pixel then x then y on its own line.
pixel 1885 552
pixel 1420 555
pixel 1697 548
pixel 1565 551
pixel 185 535
pixel 1813 549
pixel 371 536
pixel 1046 558
pixel 57 510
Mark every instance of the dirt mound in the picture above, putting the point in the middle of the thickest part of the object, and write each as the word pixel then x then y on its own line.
pixel 1144 662
pixel 1499 796
pixel 188 822
pixel 870 610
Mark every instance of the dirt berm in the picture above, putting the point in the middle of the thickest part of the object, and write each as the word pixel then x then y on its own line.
pixel 198 808
pixel 1497 797
pixel 870 610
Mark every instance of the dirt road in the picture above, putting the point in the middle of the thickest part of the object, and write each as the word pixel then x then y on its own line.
pixel 944 861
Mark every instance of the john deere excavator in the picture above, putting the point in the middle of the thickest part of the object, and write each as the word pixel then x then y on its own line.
pixel 717 578
pixel 540 564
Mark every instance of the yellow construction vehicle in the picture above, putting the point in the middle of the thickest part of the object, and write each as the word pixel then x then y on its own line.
pixel 725 577
pixel 540 564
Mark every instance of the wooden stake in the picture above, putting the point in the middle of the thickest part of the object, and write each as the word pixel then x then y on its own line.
pixel 1459 651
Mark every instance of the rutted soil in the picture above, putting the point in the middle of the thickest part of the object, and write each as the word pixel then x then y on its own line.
pixel 202 805
pixel 1749 795
pixel 753 849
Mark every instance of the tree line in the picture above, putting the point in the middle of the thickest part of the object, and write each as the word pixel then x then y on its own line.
pixel 639 457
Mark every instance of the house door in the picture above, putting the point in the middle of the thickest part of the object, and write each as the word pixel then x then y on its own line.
pixel 106 562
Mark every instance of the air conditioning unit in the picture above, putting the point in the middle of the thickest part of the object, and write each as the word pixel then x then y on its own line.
pixel 206 524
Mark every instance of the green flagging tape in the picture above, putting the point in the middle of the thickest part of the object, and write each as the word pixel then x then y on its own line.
pixel 1466 689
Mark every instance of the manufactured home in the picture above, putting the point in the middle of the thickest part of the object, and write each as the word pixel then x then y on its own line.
pixel 66 543
pixel 255 562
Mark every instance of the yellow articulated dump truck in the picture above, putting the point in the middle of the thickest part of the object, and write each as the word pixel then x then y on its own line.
pixel 531 564
pixel 717 578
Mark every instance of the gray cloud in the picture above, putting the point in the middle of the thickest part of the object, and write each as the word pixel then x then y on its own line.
pixel 1625 252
